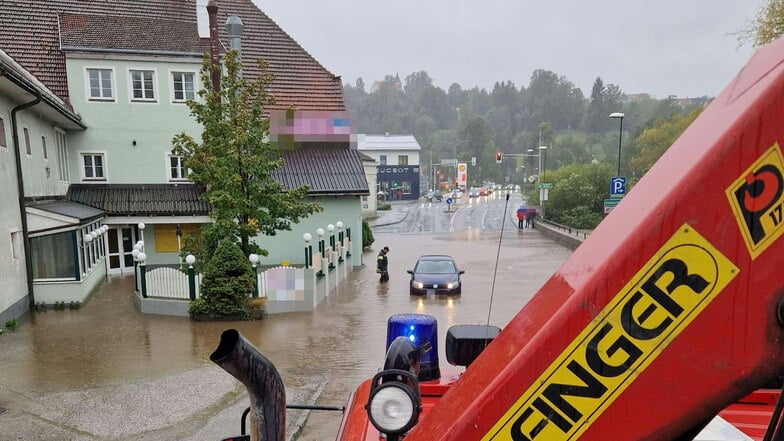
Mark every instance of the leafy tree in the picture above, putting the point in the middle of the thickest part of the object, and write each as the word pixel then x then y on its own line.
pixel 577 196
pixel 654 141
pixel 477 134
pixel 767 26
pixel 228 281
pixel 234 160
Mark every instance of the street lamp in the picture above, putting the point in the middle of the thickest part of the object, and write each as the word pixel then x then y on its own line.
pixel 542 191
pixel 543 151
pixel 308 250
pixel 254 262
pixel 620 116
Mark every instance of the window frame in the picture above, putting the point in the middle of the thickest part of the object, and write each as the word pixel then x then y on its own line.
pixel 88 88
pixel 62 155
pixel 28 147
pixel 402 160
pixel 83 167
pixel 154 80
pixel 3 137
pixel 172 85
pixel 181 168
pixel 43 147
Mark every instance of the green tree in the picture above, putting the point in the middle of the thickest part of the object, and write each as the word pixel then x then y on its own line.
pixel 767 26
pixel 234 160
pixel 654 141
pixel 577 196
pixel 228 282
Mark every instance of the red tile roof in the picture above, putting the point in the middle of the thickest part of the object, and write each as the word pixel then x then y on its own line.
pixel 29 32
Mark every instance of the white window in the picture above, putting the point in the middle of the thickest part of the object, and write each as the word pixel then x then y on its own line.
pixel 142 85
pixel 16 244
pixel 28 149
pixel 62 155
pixel 183 88
pixel 93 167
pixel 3 141
pixel 382 160
pixel 177 169
pixel 99 83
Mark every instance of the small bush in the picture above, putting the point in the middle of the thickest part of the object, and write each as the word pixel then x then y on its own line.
pixel 228 280
pixel 383 206
pixel 367 235
pixel 11 325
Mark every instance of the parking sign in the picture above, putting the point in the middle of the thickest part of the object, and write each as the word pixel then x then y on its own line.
pixel 617 187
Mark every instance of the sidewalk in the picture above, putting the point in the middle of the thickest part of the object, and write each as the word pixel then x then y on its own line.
pixel 397 214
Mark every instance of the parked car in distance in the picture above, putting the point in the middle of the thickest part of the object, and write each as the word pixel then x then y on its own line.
pixel 435 274
pixel 474 193
pixel 433 196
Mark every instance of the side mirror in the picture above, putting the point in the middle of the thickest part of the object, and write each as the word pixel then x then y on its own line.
pixel 410 272
pixel 461 272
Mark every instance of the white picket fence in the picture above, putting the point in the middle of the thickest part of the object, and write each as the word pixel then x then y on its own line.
pixel 169 283
pixel 283 283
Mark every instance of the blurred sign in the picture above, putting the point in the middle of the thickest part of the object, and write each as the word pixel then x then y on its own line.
pixel 449 201
pixel 546 185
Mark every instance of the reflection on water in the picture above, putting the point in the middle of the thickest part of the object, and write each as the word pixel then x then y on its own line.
pixel 108 342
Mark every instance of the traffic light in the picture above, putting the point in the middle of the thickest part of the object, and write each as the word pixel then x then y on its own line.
pixel 498 157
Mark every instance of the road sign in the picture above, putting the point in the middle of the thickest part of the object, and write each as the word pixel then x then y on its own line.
pixel 612 202
pixel 546 185
pixel 449 201
pixel 617 187
pixel 532 178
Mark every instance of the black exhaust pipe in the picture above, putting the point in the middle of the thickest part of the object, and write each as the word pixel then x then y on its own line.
pixel 265 387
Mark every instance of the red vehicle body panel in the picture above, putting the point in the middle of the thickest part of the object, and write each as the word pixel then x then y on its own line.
pixel 608 349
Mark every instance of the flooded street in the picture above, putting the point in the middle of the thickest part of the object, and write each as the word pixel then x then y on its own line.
pixel 107 345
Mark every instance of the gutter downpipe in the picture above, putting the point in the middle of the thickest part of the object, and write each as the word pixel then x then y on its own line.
pixel 20 185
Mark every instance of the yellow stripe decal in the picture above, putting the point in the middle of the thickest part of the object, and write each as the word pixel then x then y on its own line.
pixel 665 295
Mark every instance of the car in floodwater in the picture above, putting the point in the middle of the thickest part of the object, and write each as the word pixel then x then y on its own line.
pixel 435 274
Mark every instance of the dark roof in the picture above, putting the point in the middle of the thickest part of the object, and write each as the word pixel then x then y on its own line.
pixel 325 171
pixel 141 199
pixel 328 172
pixel 133 34
pixel 68 208
pixel 29 34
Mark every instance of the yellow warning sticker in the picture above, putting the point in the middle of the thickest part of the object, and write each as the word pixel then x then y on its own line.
pixel 757 200
pixel 665 295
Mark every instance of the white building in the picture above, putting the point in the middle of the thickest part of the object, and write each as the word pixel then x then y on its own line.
pixel 398 164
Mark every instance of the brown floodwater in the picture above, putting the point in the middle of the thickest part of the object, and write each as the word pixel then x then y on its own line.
pixel 341 343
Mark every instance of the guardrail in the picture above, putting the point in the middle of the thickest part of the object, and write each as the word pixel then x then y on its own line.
pixel 569 230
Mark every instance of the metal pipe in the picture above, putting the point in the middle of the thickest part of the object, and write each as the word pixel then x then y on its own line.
pixel 265 387
pixel 21 195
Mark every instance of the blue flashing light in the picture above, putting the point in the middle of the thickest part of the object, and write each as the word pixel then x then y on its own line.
pixel 418 329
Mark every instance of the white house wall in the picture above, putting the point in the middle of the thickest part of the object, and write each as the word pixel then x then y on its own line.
pixel 134 137
pixel 13 285
pixel 288 245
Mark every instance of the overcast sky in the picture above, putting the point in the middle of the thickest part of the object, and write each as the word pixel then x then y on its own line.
pixel 685 48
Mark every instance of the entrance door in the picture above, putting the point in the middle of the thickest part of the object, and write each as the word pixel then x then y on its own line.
pixel 120 242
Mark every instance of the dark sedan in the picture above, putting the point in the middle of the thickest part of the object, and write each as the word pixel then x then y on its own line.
pixel 435 274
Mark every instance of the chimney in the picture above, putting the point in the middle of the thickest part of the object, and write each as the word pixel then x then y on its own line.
pixel 234 28
pixel 212 12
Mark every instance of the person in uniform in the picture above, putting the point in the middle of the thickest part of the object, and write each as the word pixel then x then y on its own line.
pixel 382 264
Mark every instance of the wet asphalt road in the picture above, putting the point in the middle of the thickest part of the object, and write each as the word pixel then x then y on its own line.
pixel 108 372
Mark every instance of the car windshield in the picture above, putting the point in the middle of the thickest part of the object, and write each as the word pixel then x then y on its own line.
pixel 436 267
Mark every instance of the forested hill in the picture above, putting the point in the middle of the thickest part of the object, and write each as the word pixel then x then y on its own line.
pixel 549 111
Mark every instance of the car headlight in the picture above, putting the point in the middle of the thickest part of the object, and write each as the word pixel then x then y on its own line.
pixel 452 285
pixel 393 408
pixel 418 285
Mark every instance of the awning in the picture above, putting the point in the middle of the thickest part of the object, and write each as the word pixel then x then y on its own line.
pixel 55 215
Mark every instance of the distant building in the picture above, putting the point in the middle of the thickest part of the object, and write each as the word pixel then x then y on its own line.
pixel 398 164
